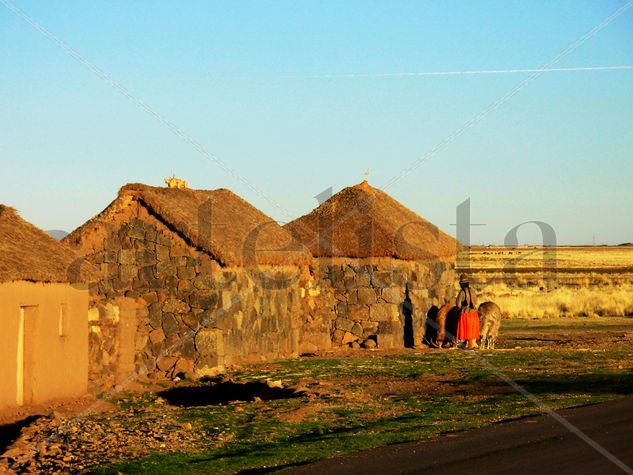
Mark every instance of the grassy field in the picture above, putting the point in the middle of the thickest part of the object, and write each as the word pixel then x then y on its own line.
pixel 359 399
pixel 535 282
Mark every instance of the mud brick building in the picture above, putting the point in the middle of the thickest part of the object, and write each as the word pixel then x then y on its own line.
pixel 43 317
pixel 383 265
pixel 190 281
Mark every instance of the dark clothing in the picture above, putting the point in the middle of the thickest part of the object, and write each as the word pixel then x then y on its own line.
pixel 466 299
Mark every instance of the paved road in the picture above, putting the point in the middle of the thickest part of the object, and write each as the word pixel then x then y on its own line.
pixel 533 445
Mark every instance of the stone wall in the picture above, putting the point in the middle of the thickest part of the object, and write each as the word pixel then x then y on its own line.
pixel 191 315
pixel 160 305
pixel 383 302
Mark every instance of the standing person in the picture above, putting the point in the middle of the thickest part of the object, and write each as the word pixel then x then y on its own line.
pixel 468 326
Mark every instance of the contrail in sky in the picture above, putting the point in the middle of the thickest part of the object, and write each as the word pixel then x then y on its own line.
pixel 462 73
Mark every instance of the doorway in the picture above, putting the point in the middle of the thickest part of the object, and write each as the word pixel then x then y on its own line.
pixel 27 336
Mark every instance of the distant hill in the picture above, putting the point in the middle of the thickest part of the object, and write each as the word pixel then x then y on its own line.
pixel 57 234
pixel 626 244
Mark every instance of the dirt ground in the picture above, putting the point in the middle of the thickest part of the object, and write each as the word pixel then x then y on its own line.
pixel 71 436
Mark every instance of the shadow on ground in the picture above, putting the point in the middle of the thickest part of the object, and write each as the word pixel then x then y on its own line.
pixel 10 432
pixel 273 469
pixel 585 383
pixel 225 392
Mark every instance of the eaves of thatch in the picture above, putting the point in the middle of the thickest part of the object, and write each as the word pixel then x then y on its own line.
pixel 27 253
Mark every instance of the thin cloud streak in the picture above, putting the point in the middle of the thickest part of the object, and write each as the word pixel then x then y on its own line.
pixel 479 72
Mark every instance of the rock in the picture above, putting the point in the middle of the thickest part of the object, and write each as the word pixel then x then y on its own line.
pixel 127 256
pixel 110 257
pixel 358 312
pixel 186 272
pixel 185 286
pixel 173 343
pixel 348 338
pixel 369 343
pixel 171 284
pixel 145 258
pixel 165 268
pixel 344 324
pixel 354 345
pixel 156 336
pixel 381 279
pixel 383 312
pixel 205 299
pixel 165 363
pixel 147 274
pixel 127 273
pixel 140 341
pixel 162 253
pixel 342 310
pixel 392 295
pixel 366 296
pixel 357 329
pixel 149 298
pixel 363 279
pixel 175 306
pixel 163 240
pixel 190 320
pixel 170 324
pixel 371 327
pixel 183 366
pixel 188 348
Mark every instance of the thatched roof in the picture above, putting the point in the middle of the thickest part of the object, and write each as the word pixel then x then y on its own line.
pixel 218 222
pixel 28 253
pixel 362 221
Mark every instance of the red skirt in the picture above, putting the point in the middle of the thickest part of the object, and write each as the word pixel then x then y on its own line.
pixel 468 325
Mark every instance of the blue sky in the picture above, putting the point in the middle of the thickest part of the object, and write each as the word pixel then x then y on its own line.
pixel 246 79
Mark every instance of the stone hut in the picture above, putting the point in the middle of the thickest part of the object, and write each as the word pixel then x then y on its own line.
pixel 190 281
pixel 384 265
pixel 43 318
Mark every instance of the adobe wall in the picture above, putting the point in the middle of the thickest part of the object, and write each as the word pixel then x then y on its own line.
pixel 55 366
pixel 188 314
pixel 371 301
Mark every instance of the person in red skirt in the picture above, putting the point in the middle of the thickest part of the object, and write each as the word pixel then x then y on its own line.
pixel 468 326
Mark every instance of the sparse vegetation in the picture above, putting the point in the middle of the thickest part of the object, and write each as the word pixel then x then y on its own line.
pixel 359 400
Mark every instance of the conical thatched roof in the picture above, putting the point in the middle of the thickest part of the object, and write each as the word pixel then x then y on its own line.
pixel 362 221
pixel 28 253
pixel 216 221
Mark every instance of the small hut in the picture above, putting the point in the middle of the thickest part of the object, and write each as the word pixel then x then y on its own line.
pixel 43 318
pixel 190 281
pixel 385 265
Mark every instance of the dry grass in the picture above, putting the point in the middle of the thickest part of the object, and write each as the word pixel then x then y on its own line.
pixel 362 221
pixel 598 258
pixel 28 253
pixel 532 302
pixel 231 230
pixel 575 281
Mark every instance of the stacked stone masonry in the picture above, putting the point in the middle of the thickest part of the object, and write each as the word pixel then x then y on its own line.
pixel 190 314
pixel 161 306
pixel 383 302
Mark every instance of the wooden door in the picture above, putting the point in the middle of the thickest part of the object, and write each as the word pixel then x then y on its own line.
pixel 27 337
